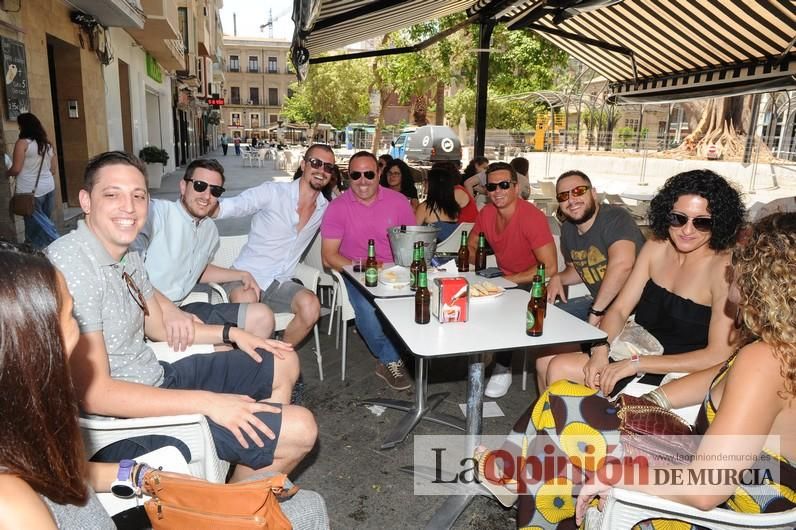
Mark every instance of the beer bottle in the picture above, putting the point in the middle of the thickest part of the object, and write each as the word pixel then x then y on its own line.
pixel 480 253
pixel 422 299
pixel 534 316
pixel 371 266
pixel 540 270
pixel 421 258
pixel 463 258
pixel 414 266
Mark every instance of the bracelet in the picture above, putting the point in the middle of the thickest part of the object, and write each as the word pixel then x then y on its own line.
pixel 139 473
pixel 603 342
pixel 658 396
pixel 635 359
pixel 596 312
pixel 225 333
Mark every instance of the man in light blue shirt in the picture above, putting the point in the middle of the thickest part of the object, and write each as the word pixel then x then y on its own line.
pixel 286 217
pixel 178 242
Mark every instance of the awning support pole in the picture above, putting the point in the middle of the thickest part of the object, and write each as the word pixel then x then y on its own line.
pixel 486 26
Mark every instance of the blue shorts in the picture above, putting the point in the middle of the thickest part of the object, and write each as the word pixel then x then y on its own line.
pixel 231 372
pixel 218 314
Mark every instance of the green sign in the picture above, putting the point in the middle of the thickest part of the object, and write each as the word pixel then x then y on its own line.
pixel 153 69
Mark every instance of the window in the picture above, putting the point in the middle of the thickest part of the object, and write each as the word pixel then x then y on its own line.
pixel 182 20
pixel 272 65
pixel 235 119
pixel 254 120
pixel 234 95
pixel 253 64
pixel 234 63
pixel 254 96
pixel 632 123
pixel 273 118
pixel 273 97
pixel 289 92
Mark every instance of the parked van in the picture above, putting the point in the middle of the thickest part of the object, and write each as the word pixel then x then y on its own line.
pixel 430 143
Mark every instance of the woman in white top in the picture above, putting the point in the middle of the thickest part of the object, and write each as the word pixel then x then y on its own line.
pixel 33 151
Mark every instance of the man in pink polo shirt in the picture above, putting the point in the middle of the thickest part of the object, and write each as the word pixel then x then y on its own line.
pixel 363 212
pixel 520 236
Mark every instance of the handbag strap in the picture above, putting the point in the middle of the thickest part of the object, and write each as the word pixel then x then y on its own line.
pixel 38 175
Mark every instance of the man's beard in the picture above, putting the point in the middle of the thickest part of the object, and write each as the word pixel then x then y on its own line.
pixel 588 213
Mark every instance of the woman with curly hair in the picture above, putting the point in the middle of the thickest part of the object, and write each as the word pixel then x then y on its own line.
pixel 744 427
pixel 398 177
pixel 678 288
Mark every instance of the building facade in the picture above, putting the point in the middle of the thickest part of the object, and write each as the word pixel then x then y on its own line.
pixel 257 80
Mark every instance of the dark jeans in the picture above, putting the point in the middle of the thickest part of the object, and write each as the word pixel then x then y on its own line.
pixel 34 233
pixel 224 148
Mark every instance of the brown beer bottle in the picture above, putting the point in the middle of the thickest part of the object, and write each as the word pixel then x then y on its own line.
pixel 534 316
pixel 463 258
pixel 540 270
pixel 414 266
pixel 421 259
pixel 422 299
pixel 371 266
pixel 480 253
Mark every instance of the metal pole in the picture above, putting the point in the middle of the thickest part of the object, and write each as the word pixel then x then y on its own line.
pixel 640 123
pixel 666 132
pixel 485 26
pixel 752 132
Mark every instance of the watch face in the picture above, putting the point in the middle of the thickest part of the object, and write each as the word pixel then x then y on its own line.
pixel 122 489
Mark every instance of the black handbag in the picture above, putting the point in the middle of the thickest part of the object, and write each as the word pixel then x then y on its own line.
pixel 24 203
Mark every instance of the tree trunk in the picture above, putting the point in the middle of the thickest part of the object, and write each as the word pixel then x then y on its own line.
pixel 721 129
pixel 420 114
pixel 439 101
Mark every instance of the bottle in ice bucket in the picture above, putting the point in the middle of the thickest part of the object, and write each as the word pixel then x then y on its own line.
pixel 371 266
pixel 534 316
pixel 540 270
pixel 422 299
pixel 480 253
pixel 463 258
pixel 421 260
pixel 414 266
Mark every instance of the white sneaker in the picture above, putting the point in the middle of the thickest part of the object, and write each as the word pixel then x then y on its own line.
pixel 499 382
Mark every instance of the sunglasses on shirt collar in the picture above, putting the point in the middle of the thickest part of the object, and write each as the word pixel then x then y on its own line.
pixel 355 175
pixel 503 184
pixel 199 186
pixel 317 163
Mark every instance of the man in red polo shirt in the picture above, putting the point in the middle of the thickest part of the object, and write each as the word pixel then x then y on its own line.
pixel 520 236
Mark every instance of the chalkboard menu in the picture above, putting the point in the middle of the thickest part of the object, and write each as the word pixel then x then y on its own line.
pixel 16 72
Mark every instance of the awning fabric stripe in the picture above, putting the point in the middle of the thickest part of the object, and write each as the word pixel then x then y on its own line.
pixel 676 43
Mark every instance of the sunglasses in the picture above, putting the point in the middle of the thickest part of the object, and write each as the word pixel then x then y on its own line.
pixel 577 191
pixel 503 184
pixel 317 163
pixel 703 224
pixel 370 175
pixel 135 292
pixel 199 186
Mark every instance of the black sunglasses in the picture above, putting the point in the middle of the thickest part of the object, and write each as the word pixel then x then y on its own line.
pixel 317 163
pixel 199 186
pixel 370 175
pixel 577 191
pixel 135 292
pixel 503 184
pixel 703 224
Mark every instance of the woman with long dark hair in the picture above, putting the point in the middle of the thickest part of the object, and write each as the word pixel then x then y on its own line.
pixel 32 165
pixel 440 208
pixel 398 177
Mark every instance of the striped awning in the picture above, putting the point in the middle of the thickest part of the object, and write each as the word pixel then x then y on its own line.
pixel 665 50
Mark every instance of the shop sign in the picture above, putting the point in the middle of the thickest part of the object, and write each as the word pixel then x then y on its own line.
pixel 16 70
pixel 153 69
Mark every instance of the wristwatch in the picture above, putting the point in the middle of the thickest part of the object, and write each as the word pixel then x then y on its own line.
pixel 225 333
pixel 603 342
pixel 123 485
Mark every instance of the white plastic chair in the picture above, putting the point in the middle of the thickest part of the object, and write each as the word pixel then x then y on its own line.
pixel 228 249
pixel 191 429
pixel 624 509
pixel 312 257
pixel 247 153
pixel 345 314
pixel 451 244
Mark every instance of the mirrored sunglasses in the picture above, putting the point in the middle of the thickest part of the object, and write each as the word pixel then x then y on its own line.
pixel 503 184
pixel 703 224
pixel 577 191
pixel 370 175
pixel 199 186
pixel 317 163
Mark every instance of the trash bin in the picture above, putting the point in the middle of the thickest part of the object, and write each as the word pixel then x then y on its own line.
pixel 402 242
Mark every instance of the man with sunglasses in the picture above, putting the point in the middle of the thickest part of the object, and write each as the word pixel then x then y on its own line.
pixel 178 242
pixel 520 236
pixel 244 392
pixel 285 219
pixel 365 211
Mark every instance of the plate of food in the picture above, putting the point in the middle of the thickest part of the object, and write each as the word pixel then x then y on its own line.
pixel 396 277
pixel 485 290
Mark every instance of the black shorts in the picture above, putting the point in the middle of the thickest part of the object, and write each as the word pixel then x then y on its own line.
pixel 218 314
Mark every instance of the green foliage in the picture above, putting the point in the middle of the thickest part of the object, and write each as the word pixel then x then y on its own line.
pixel 335 93
pixel 152 154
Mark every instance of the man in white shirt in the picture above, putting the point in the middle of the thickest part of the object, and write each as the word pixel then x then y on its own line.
pixel 178 242
pixel 286 216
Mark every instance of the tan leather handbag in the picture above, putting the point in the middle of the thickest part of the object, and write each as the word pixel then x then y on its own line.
pixel 181 501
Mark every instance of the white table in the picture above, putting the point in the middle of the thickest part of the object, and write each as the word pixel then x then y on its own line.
pixel 643 196
pixel 495 324
pixel 386 291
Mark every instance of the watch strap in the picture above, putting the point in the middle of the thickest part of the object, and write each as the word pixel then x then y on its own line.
pixel 225 333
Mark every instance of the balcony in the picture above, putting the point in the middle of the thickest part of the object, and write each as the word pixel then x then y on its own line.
pixel 203 40
pixel 234 101
pixel 234 69
pixel 115 13
pixel 254 70
pixel 160 35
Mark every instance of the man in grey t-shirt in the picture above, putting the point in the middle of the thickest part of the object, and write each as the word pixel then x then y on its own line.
pixel 244 393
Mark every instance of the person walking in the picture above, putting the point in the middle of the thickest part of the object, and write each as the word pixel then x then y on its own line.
pixel 32 165
pixel 224 142
pixel 236 141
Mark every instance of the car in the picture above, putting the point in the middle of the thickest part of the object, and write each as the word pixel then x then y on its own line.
pixel 430 143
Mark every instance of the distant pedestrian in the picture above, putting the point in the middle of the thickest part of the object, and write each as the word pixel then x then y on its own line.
pixel 224 141
pixel 237 145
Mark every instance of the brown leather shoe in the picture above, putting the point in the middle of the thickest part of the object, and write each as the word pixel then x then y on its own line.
pixel 395 375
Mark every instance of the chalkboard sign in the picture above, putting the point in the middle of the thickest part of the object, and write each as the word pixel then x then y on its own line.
pixel 15 69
